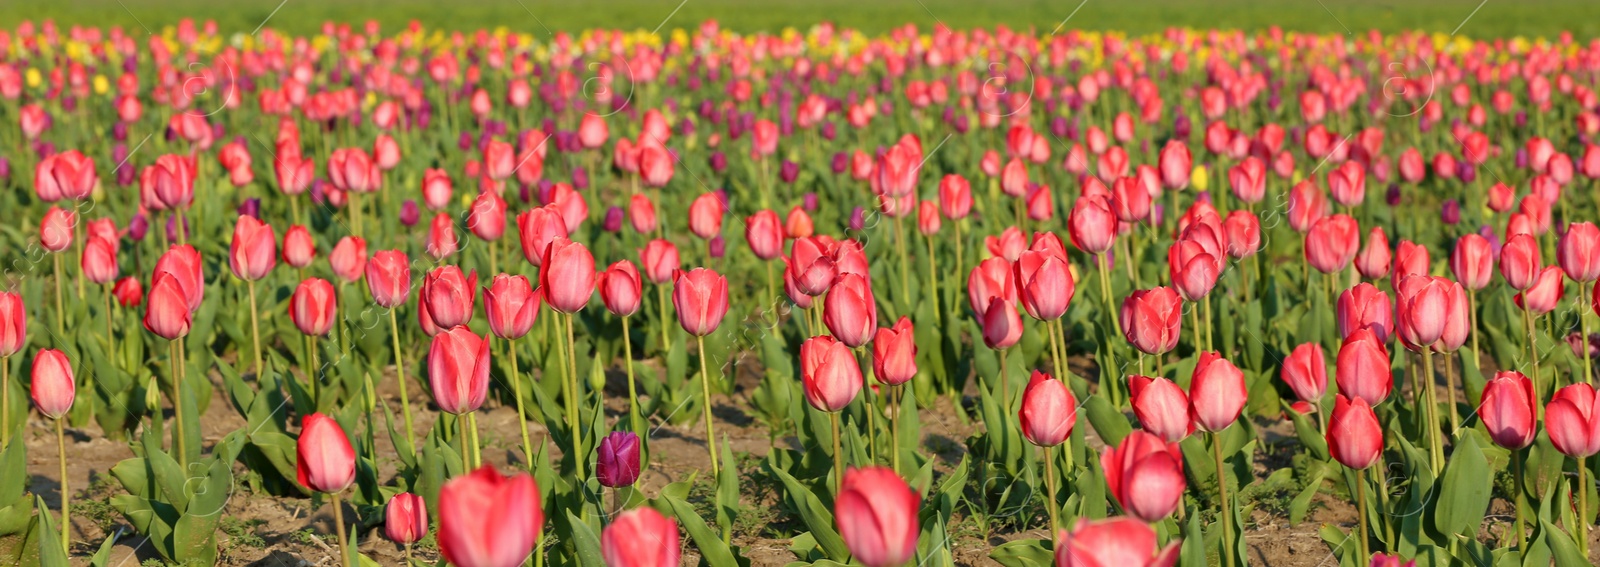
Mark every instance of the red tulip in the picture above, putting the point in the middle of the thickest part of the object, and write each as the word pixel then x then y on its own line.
pixel 1194 268
pixel 1307 205
pixel 447 296
pixel 1040 206
pixel 1092 224
pixel 487 217
pixel 1130 200
pixel 1161 406
pixel 1520 261
pixel 1362 368
pixel 1545 293
pixel 705 216
pixel 1145 475
pixel 829 372
pixel 877 517
pixel 1373 260
pixel 1410 259
pixel 1243 231
pixel 1573 421
pixel 13 324
pixel 169 184
pixel 850 257
pixel 536 228
pixel 619 287
pixel 1152 319
pixel 128 291
pixel 436 189
pixel 764 233
pixel 458 370
pixel 168 313
pixel 1048 412
pixel 99 262
pixel 660 260
pixel 254 250
pixel 1175 164
pixel 1216 393
pixel 811 265
pixel 511 305
pixel 1009 244
pixel 928 219
pixel 640 537
pixel 1044 282
pixel 894 354
pixel 1365 307
pixel 324 460
pixel 67 175
pixel 955 196
pixel 405 518
pixel 488 520
pixel 1014 178
pixel 896 171
pixel 498 160
pixel 567 275
pixel 1249 180
pixel 183 262
pixel 990 279
pixel 1306 372
pixel 1472 261
pixel 701 299
pixel 312 307
pixel 53 387
pixel 850 310
pixel 1355 438
pixel 1332 243
pixel 55 229
pixel 1426 308
pixel 1508 410
pixel 349 258
pixel 1348 184
pixel 641 214
pixel 1113 542
pixel 655 165
pixel 298 248
pixel 1578 252
pixel 798 224
pixel 389 278
pixel 351 169
pixel 1002 327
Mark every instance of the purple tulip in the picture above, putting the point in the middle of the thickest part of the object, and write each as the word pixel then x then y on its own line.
pixel 138 226
pixel 858 219
pixel 788 171
pixel 1451 213
pixel 719 162
pixel 718 247
pixel 618 465
pixel 1392 196
pixel 809 202
pixel 613 222
pixel 250 208
pixel 410 213
pixel 840 163
pixel 580 179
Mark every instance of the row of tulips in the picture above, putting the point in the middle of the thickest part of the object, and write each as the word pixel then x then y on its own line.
pixel 856 328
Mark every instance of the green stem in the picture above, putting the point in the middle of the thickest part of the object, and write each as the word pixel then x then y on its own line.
pixel 1050 486
pixel 705 406
pixel 177 406
pixel 522 414
pixel 400 375
pixel 574 403
pixel 1516 500
pixel 933 283
pixel 338 524
pixel 1583 322
pixel 838 456
pixel 1430 413
pixel 1222 493
pixel 1583 505
pixel 255 324
pixel 633 392
pixel 61 310
pixel 905 266
pixel 477 448
pixel 1361 505
pixel 66 493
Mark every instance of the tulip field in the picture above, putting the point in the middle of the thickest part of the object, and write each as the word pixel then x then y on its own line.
pixel 371 294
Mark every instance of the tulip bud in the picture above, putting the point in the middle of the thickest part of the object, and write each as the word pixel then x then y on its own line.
pixel 1049 411
pixel 1508 410
pixel 829 372
pixel 894 354
pixel 458 370
pixel 324 459
pixel 1306 373
pixel 312 307
pixel 1355 438
pixel 1573 421
pixel 53 388
pixel 701 299
pixel 618 464
pixel 877 517
pixel 405 518
pixel 511 306
pixel 640 537
pixel 1145 475
pixel 489 520
pixel 1122 542
pixel 1216 393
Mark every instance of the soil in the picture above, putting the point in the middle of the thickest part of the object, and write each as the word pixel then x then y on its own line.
pixel 270 531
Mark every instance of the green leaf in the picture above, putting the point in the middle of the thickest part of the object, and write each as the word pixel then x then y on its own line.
pixel 1315 473
pixel 1562 547
pixel 713 551
pixel 1466 489
pixel 813 513
pixel 1024 553
pixel 586 545
pixel 51 553
pixel 1107 420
